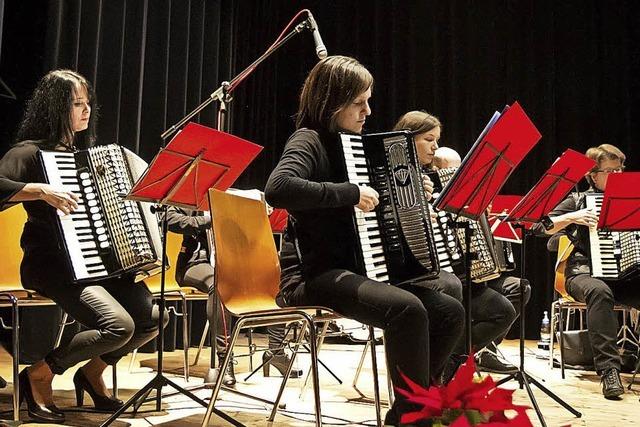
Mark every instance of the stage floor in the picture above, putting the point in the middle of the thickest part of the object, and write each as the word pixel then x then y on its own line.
pixel 341 404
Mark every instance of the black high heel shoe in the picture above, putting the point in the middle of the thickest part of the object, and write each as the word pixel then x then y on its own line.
pixel 101 403
pixel 280 361
pixel 36 411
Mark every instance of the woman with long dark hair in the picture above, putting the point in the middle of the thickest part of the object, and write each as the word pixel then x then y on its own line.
pixel 118 314
pixel 421 325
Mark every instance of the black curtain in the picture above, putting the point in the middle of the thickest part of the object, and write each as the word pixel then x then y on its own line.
pixel 572 65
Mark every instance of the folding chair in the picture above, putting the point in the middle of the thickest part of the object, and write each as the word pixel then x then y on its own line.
pixel 566 303
pixel 12 294
pixel 247 278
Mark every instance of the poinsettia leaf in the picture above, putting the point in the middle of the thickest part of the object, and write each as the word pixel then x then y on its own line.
pixel 412 417
pixel 474 417
pixel 520 420
pixel 415 387
pixel 462 380
pixel 461 421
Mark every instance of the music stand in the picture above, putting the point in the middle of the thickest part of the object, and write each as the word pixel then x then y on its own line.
pixel 498 210
pixel 196 159
pixel 502 145
pixel 620 203
pixel 619 211
pixel 552 188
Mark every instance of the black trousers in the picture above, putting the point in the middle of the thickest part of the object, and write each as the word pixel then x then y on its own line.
pixel 118 314
pixel 509 287
pixel 421 325
pixel 492 313
pixel 602 321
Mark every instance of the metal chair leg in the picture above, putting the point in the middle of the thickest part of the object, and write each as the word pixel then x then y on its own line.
pixel 185 335
pixel 561 341
pixel 133 358
pixel 552 332
pixel 203 338
pixel 114 374
pixel 15 354
pixel 374 368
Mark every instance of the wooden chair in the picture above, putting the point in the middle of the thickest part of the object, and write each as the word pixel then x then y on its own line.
pixel 566 303
pixel 12 294
pixel 247 279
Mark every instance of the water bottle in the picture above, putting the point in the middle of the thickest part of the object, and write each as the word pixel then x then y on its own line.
pixel 545 329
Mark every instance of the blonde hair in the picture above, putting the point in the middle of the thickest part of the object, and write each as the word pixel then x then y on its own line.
pixel 605 152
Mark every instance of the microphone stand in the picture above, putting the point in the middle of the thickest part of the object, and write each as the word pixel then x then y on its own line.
pixel 222 95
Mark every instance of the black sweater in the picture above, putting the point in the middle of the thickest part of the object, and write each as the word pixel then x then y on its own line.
pixel 310 182
pixel 579 260
pixel 20 166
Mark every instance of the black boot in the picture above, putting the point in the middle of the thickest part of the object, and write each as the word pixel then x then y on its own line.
pixel 612 387
pixel 229 378
pixel 280 361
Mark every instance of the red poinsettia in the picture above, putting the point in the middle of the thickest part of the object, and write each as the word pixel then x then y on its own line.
pixel 463 402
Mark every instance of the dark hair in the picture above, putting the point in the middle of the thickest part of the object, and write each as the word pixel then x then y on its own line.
pixel 418 121
pixel 330 86
pixel 48 112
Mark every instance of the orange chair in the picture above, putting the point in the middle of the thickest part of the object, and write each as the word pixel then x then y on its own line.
pixel 12 294
pixel 247 278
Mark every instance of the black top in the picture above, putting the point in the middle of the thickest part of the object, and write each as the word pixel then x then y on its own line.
pixel 310 182
pixel 19 166
pixel 579 260
pixel 195 248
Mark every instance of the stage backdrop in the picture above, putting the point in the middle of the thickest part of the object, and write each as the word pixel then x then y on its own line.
pixel 573 65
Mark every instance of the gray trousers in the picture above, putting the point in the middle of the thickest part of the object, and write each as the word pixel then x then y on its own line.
pixel 118 315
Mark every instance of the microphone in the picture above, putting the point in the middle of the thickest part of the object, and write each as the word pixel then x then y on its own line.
pixel 321 49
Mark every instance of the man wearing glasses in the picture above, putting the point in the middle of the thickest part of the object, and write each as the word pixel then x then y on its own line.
pixel 571 218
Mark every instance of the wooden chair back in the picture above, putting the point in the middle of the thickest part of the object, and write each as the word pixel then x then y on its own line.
pixel 565 247
pixel 247 272
pixel 174 244
pixel 12 222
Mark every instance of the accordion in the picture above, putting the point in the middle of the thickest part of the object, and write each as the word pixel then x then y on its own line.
pixel 107 236
pixel 485 261
pixel 615 255
pixel 395 240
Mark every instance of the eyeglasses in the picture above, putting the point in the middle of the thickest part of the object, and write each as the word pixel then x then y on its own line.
pixel 610 170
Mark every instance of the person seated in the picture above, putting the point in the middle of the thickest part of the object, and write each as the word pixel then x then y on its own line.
pixel 119 315
pixel 495 304
pixel 573 219
pixel 318 256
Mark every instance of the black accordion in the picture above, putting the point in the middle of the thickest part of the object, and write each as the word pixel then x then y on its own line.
pixel 107 236
pixel 396 239
pixel 489 257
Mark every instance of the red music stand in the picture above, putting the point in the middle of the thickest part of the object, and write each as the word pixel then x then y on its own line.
pixel 196 159
pixel 620 209
pixel 548 192
pixel 503 144
pixel 554 186
pixel 499 208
